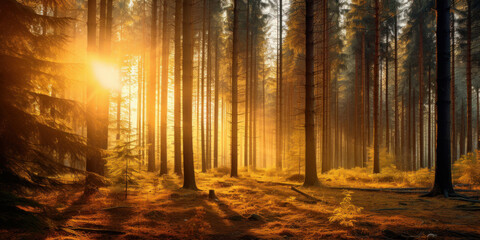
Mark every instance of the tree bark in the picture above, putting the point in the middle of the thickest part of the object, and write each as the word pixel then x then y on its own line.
pixel 151 90
pixel 164 109
pixel 311 177
pixel 279 123
pixel 234 146
pixel 469 77
pixel 443 175
pixel 376 137
pixel 188 167
pixel 177 88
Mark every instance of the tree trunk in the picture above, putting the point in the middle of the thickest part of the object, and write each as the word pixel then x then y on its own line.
pixel 387 125
pixel 217 92
pixel 397 130
pixel 247 88
pixel 202 91
pixel 188 167
pixel 279 125
pixel 177 88
pixel 376 137
pixel 93 157
pixel 234 153
pixel 311 178
pixel 443 175
pixel 151 90
pixel 452 86
pixel 164 109
pixel 420 94
pixel 469 77
pixel 208 143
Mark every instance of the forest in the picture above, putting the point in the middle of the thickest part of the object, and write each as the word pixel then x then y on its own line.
pixel 239 119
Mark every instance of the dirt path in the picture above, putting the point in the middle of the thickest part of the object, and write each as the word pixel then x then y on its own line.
pixel 161 210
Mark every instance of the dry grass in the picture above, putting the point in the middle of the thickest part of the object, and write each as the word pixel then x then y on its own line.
pixel 159 209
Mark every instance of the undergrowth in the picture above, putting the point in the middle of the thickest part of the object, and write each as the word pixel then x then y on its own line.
pixel 346 213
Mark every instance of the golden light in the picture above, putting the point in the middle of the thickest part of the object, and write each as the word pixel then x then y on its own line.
pixel 107 75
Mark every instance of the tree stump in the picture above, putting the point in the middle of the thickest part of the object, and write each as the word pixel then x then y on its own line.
pixel 211 194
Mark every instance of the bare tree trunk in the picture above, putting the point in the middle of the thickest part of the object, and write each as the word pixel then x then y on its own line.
pixel 420 95
pixel 376 137
pixel 469 77
pixel 177 90
pixel 151 90
pixel 311 178
pixel 217 92
pixel 202 86
pixel 247 88
pixel 234 153
pixel 397 130
pixel 452 85
pixel 279 124
pixel 443 175
pixel 188 167
pixel 208 143
pixel 93 157
pixel 164 109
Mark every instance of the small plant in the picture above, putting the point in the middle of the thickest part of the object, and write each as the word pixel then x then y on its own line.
pixel 122 157
pixel 346 213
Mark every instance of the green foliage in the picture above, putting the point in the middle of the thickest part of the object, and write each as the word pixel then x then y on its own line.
pixel 467 169
pixel 123 162
pixel 346 213
pixel 35 124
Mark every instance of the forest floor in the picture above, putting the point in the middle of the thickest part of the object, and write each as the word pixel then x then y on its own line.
pixel 157 208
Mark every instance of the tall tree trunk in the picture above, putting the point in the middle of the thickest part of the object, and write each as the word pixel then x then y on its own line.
pixel 397 130
pixel 93 157
pixel 443 175
pixel 247 88
pixel 310 153
pixel 234 153
pixel 151 90
pixel 208 143
pixel 376 137
pixel 420 94
pixel 188 167
pixel 452 85
pixel 429 120
pixel 217 92
pixel 325 162
pixel 176 91
pixel 279 124
pixel 387 125
pixel 202 86
pixel 469 77
pixel 164 109
pixel 264 150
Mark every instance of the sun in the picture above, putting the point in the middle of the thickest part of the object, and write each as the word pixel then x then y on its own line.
pixel 106 74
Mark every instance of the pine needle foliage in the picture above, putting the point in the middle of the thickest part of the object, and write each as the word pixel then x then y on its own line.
pixel 35 137
pixel 346 213
pixel 123 162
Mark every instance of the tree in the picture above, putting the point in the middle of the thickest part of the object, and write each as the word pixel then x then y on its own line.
pixel 443 170
pixel 376 137
pixel 187 96
pixel 311 178
pixel 36 141
pixel 165 59
pixel 151 87
pixel 279 122
pixel 469 77
pixel 177 90
pixel 234 151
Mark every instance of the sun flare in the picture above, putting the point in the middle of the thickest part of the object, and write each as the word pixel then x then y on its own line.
pixel 107 75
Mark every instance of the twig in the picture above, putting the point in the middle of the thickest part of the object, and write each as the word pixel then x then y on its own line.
pixel 306 195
